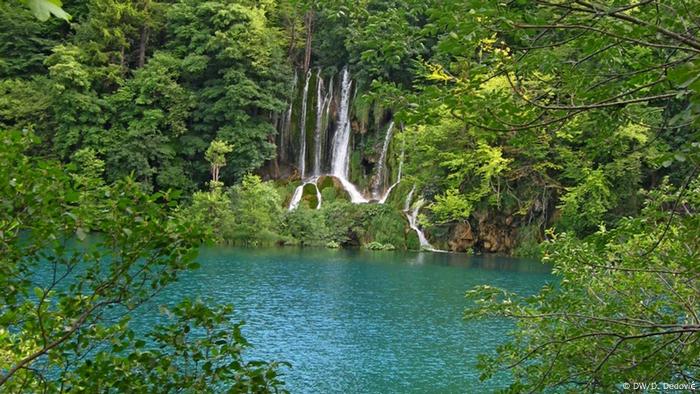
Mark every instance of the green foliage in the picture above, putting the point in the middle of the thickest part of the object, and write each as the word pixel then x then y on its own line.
pixel 149 126
pixel 626 297
pixel 584 205
pixel 156 369
pixel 213 211
pixel 338 216
pixel 451 206
pixel 529 243
pixel 383 224
pixel 257 211
pixel 43 9
pixel 216 153
pixel 66 299
pixel 305 225
pixel 24 41
pixel 234 64
pixel 133 84
pixel 216 156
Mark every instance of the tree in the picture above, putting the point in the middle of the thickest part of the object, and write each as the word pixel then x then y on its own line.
pixel 257 209
pixel 606 81
pixel 67 298
pixel 216 156
pixel 213 210
pixel 625 308
pixel 234 63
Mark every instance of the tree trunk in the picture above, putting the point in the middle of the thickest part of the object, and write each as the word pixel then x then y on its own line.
pixel 145 31
pixel 309 21
pixel 122 59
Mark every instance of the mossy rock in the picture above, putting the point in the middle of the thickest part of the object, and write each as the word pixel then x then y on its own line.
pixel 412 241
pixel 309 195
pixel 325 182
pixel 330 182
pixel 439 235
pixel 397 198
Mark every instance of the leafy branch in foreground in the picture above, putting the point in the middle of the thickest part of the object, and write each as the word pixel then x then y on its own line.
pixel 67 298
pixel 43 9
pixel 625 309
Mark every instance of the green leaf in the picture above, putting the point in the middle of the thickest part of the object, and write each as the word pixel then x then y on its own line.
pixel 43 9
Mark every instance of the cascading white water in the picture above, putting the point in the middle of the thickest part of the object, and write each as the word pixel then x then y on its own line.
pixel 341 142
pixel 296 197
pixel 399 174
pixel 412 216
pixel 319 197
pixel 302 127
pixel 409 199
pixel 341 139
pixel 299 193
pixel 322 109
pixel 381 165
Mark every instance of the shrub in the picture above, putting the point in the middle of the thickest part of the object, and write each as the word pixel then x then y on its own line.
pixel 257 209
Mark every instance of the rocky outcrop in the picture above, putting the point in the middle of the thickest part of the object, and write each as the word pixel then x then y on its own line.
pixel 462 238
pixel 496 237
pixel 486 232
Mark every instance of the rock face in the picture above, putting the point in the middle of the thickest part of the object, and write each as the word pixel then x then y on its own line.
pixel 496 239
pixel 462 239
pixel 485 232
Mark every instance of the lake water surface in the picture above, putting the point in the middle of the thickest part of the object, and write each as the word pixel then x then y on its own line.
pixel 358 321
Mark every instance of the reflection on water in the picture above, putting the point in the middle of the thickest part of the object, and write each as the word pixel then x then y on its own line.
pixel 358 321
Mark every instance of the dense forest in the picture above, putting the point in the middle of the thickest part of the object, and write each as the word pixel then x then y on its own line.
pixel 566 131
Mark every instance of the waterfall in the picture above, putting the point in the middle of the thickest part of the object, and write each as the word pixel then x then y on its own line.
pixel 299 193
pixel 335 150
pixel 319 197
pixel 381 165
pixel 302 127
pixel 398 175
pixel 341 142
pixel 412 216
pixel 341 139
pixel 296 197
pixel 322 111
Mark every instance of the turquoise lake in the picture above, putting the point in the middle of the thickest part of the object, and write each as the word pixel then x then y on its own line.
pixel 359 321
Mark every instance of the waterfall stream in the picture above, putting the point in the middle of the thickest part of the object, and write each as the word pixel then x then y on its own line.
pixel 381 165
pixel 340 146
pixel 299 194
pixel 340 162
pixel 302 127
pixel 341 139
pixel 412 216
pixel 398 175
pixel 323 104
